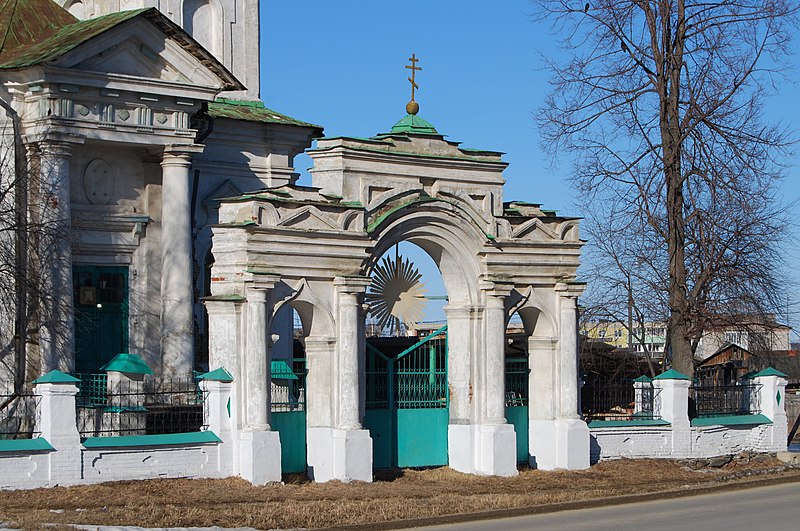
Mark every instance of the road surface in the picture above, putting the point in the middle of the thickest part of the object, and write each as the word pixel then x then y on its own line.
pixel 773 508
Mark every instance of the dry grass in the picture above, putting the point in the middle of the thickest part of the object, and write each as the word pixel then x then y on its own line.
pixel 299 503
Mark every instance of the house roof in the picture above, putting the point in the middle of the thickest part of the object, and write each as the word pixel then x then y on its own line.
pixel 724 348
pixel 38 32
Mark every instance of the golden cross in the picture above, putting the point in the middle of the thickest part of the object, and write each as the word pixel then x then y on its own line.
pixel 413 67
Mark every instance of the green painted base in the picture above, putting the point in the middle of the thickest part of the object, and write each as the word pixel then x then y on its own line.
pixel 518 417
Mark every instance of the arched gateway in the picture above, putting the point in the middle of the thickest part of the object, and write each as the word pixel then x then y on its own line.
pixel 314 249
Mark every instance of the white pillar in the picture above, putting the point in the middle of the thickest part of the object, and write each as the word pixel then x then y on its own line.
pixel 56 423
pixel 771 389
pixel 177 323
pixel 259 448
pixel 671 403
pixel 57 336
pixel 572 433
pixel 219 415
pixel 542 402
pixel 256 392
pixel 494 356
pixel 343 450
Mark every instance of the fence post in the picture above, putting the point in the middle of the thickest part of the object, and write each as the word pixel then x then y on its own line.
pixel 771 400
pixel 56 422
pixel 218 415
pixel 672 404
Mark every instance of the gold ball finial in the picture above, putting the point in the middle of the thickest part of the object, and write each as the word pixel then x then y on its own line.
pixel 412 107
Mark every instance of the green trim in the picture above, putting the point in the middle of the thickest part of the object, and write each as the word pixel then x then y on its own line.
pixel 196 437
pixel 217 375
pixel 671 374
pixel 56 376
pixel 627 423
pixel 643 379
pixel 254 111
pixel 127 363
pixel 769 371
pixel 280 370
pixel 731 420
pixel 25 445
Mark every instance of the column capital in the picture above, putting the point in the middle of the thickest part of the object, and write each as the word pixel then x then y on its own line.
pixel 256 294
pixel 222 306
pixel 498 288
pixel 354 285
pixel 570 290
pixel 542 342
pixel 180 154
pixel 53 143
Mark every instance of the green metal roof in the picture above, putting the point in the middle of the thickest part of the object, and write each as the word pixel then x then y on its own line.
pixel 38 31
pixel 48 45
pixel 731 420
pixel 643 379
pixel 253 111
pixel 129 363
pixel 769 371
pixel 672 374
pixel 165 439
pixel 56 377
pixel 25 445
pixel 413 124
pixel 217 375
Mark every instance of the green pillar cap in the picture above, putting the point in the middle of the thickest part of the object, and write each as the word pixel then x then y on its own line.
pixel 672 374
pixel 217 375
pixel 769 371
pixel 643 379
pixel 129 363
pixel 56 377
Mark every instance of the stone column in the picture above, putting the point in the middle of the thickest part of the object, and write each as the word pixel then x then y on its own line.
pixel 348 290
pixel 342 451
pixel 494 355
pixel 259 447
pixel 493 441
pixel 542 402
pixel 460 349
pixel 177 332
pixel 572 433
pixel 51 158
pixel 256 375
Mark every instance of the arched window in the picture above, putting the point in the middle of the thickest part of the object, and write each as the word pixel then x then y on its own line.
pixel 202 20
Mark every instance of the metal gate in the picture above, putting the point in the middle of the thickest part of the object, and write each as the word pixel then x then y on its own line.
pixel 289 411
pixel 407 404
pixel 516 377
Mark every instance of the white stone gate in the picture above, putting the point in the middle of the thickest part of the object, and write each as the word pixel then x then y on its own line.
pixel 314 248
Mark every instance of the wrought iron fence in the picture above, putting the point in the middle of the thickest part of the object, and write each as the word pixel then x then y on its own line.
pixel 604 399
pixel 138 407
pixel 288 385
pixel 18 414
pixel 724 400
pixel 516 382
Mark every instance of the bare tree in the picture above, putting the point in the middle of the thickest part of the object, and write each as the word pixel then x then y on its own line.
pixel 661 104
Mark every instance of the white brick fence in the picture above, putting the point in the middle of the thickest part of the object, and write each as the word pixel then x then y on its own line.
pixel 58 456
pixel 670 434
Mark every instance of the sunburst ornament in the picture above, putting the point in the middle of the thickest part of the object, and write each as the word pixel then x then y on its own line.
pixel 396 295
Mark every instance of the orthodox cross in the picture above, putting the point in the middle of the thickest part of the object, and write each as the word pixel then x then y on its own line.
pixel 413 67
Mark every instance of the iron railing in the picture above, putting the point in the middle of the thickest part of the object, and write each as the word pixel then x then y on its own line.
pixel 516 377
pixel 724 400
pixel 18 414
pixel 288 386
pixel 138 407
pixel 604 399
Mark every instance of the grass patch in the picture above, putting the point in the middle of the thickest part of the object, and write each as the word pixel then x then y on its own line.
pixel 402 495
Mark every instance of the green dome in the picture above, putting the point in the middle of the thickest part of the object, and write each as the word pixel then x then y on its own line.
pixel 413 124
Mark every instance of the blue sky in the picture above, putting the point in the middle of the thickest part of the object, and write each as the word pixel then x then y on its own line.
pixel 341 65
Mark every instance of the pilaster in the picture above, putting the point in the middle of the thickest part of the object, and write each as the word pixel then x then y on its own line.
pixel 771 402
pixel 671 403
pixel 56 423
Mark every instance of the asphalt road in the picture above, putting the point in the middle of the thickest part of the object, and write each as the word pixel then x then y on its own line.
pixel 762 509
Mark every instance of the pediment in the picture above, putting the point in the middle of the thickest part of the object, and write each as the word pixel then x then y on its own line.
pixel 309 218
pixel 138 48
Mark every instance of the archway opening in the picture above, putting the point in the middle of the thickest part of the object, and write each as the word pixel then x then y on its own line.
pixel 517 375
